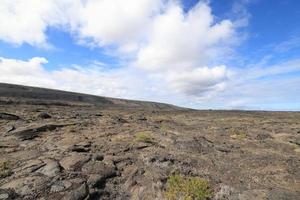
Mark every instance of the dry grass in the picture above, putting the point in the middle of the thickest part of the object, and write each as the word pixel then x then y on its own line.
pixel 193 188
pixel 5 169
pixel 145 137
pixel 238 134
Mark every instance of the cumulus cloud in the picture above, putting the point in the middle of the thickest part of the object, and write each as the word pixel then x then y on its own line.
pixel 265 86
pixel 24 72
pixel 199 81
pixel 243 92
pixel 168 54
pixel 116 22
pixel 27 21
pixel 102 22
pixel 182 45
pixel 92 79
pixel 162 39
pixel 182 40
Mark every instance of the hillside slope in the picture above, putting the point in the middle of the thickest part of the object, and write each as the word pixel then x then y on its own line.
pixel 10 93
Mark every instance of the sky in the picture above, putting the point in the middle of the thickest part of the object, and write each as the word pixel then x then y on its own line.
pixel 207 54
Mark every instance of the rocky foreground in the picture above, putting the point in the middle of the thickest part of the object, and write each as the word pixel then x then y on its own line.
pixel 91 152
pixel 69 152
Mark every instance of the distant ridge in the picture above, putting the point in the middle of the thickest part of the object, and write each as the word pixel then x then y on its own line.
pixel 11 93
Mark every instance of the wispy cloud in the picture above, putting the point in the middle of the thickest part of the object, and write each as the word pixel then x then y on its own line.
pixel 292 43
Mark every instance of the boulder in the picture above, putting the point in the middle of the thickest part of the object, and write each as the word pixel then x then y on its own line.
pixel 33 131
pixel 27 186
pixel 99 168
pixel 51 169
pixel 225 192
pixel 60 186
pixel 77 194
pixel 7 194
pixel 44 115
pixel 8 116
pixel 263 136
pixel 81 147
pixel 73 162
pixel 96 180
pixel 98 173
pixel 9 128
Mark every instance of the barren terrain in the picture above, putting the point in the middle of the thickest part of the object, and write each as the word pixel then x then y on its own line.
pixel 73 148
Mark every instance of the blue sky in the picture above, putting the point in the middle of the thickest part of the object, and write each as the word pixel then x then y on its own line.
pixel 214 54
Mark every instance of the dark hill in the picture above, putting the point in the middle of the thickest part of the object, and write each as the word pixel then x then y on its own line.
pixel 10 93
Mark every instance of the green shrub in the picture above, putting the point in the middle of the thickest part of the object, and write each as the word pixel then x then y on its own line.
pixel 144 137
pixel 164 128
pixel 5 169
pixel 238 134
pixel 192 188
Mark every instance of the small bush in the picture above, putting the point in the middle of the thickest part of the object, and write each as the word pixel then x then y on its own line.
pixel 144 137
pixel 192 188
pixel 5 169
pixel 238 133
pixel 164 128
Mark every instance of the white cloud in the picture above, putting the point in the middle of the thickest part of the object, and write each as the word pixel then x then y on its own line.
pixel 161 38
pixel 265 86
pixel 105 22
pixel 24 72
pixel 130 83
pixel 93 79
pixel 199 81
pixel 182 45
pixel 90 80
pixel 242 92
pixel 27 21
pixel 182 40
pixel 174 56
pixel 283 47
pixel 116 21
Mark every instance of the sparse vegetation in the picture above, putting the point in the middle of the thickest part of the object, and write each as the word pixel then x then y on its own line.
pixel 114 159
pixel 5 169
pixel 238 134
pixel 164 128
pixel 144 137
pixel 192 188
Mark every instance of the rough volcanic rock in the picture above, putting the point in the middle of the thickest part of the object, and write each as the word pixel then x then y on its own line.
pixel 8 116
pixel 77 154
pixel 51 169
pixel 98 172
pixel 263 136
pixel 44 115
pixel 77 194
pixel 81 147
pixel 33 131
pixel 74 161
pixel 7 194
